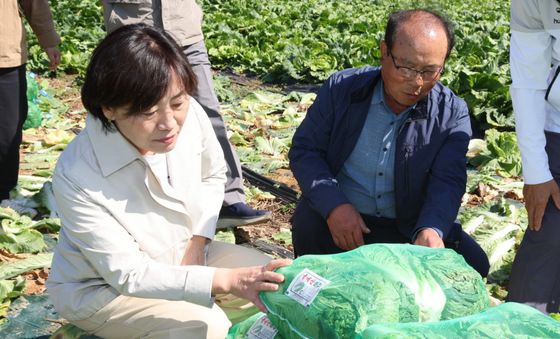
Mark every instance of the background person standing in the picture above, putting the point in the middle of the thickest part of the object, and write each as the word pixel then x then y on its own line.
pixel 183 20
pixel 534 59
pixel 13 84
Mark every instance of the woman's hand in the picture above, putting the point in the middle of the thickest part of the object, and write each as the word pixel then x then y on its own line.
pixel 247 282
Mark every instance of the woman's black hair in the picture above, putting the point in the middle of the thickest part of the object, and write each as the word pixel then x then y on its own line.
pixel 396 19
pixel 133 67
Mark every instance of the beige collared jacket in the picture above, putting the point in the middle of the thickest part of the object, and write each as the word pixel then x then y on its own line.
pixel 124 233
pixel 13 45
pixel 180 18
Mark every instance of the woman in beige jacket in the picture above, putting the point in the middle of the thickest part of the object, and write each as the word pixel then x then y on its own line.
pixel 139 192
pixel 13 56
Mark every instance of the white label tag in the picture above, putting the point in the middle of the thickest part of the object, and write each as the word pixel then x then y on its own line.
pixel 262 329
pixel 305 287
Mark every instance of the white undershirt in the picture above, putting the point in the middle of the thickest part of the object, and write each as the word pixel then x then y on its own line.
pixel 158 164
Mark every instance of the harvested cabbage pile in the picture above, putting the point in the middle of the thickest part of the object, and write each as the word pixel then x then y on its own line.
pixel 509 320
pixel 339 295
pixel 255 327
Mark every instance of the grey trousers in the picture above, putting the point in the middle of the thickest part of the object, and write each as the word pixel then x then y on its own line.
pixel 535 276
pixel 206 97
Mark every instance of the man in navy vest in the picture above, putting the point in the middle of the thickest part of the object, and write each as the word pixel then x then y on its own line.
pixel 380 156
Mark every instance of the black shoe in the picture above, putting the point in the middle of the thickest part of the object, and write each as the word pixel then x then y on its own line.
pixel 240 214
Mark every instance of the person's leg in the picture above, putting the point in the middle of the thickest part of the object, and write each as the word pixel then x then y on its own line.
pixel 471 251
pixel 206 97
pixel 236 212
pixel 13 111
pixel 226 255
pixel 222 254
pixel 129 317
pixel 310 232
pixel 535 274
pixel 383 230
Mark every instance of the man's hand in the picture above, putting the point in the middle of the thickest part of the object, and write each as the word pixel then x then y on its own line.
pixel 54 57
pixel 430 238
pixel 536 199
pixel 346 226
pixel 195 253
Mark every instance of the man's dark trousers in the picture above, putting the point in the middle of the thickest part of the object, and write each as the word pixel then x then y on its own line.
pixel 311 235
pixel 535 275
pixel 13 111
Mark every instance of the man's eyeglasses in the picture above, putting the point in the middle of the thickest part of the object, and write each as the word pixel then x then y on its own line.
pixel 411 73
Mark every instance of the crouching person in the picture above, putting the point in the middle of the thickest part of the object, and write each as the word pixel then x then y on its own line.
pixel 139 192
pixel 380 156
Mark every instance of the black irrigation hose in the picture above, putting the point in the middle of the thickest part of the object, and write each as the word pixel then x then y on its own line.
pixel 279 190
pixel 273 249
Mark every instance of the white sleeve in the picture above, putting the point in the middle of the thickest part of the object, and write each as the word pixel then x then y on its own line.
pixel 117 257
pixel 530 60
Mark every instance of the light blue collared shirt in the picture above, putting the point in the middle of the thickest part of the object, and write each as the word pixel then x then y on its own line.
pixel 367 177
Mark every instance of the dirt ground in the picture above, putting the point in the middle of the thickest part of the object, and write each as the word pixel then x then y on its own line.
pixel 281 214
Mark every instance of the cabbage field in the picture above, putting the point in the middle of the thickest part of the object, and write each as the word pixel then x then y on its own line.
pixel 269 58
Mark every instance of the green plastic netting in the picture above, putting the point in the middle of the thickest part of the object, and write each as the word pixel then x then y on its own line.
pixel 509 320
pixel 379 283
pixel 34 114
pixel 257 326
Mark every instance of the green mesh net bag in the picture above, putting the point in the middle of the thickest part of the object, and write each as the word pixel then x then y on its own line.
pixel 338 296
pixel 257 326
pixel 34 114
pixel 509 320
